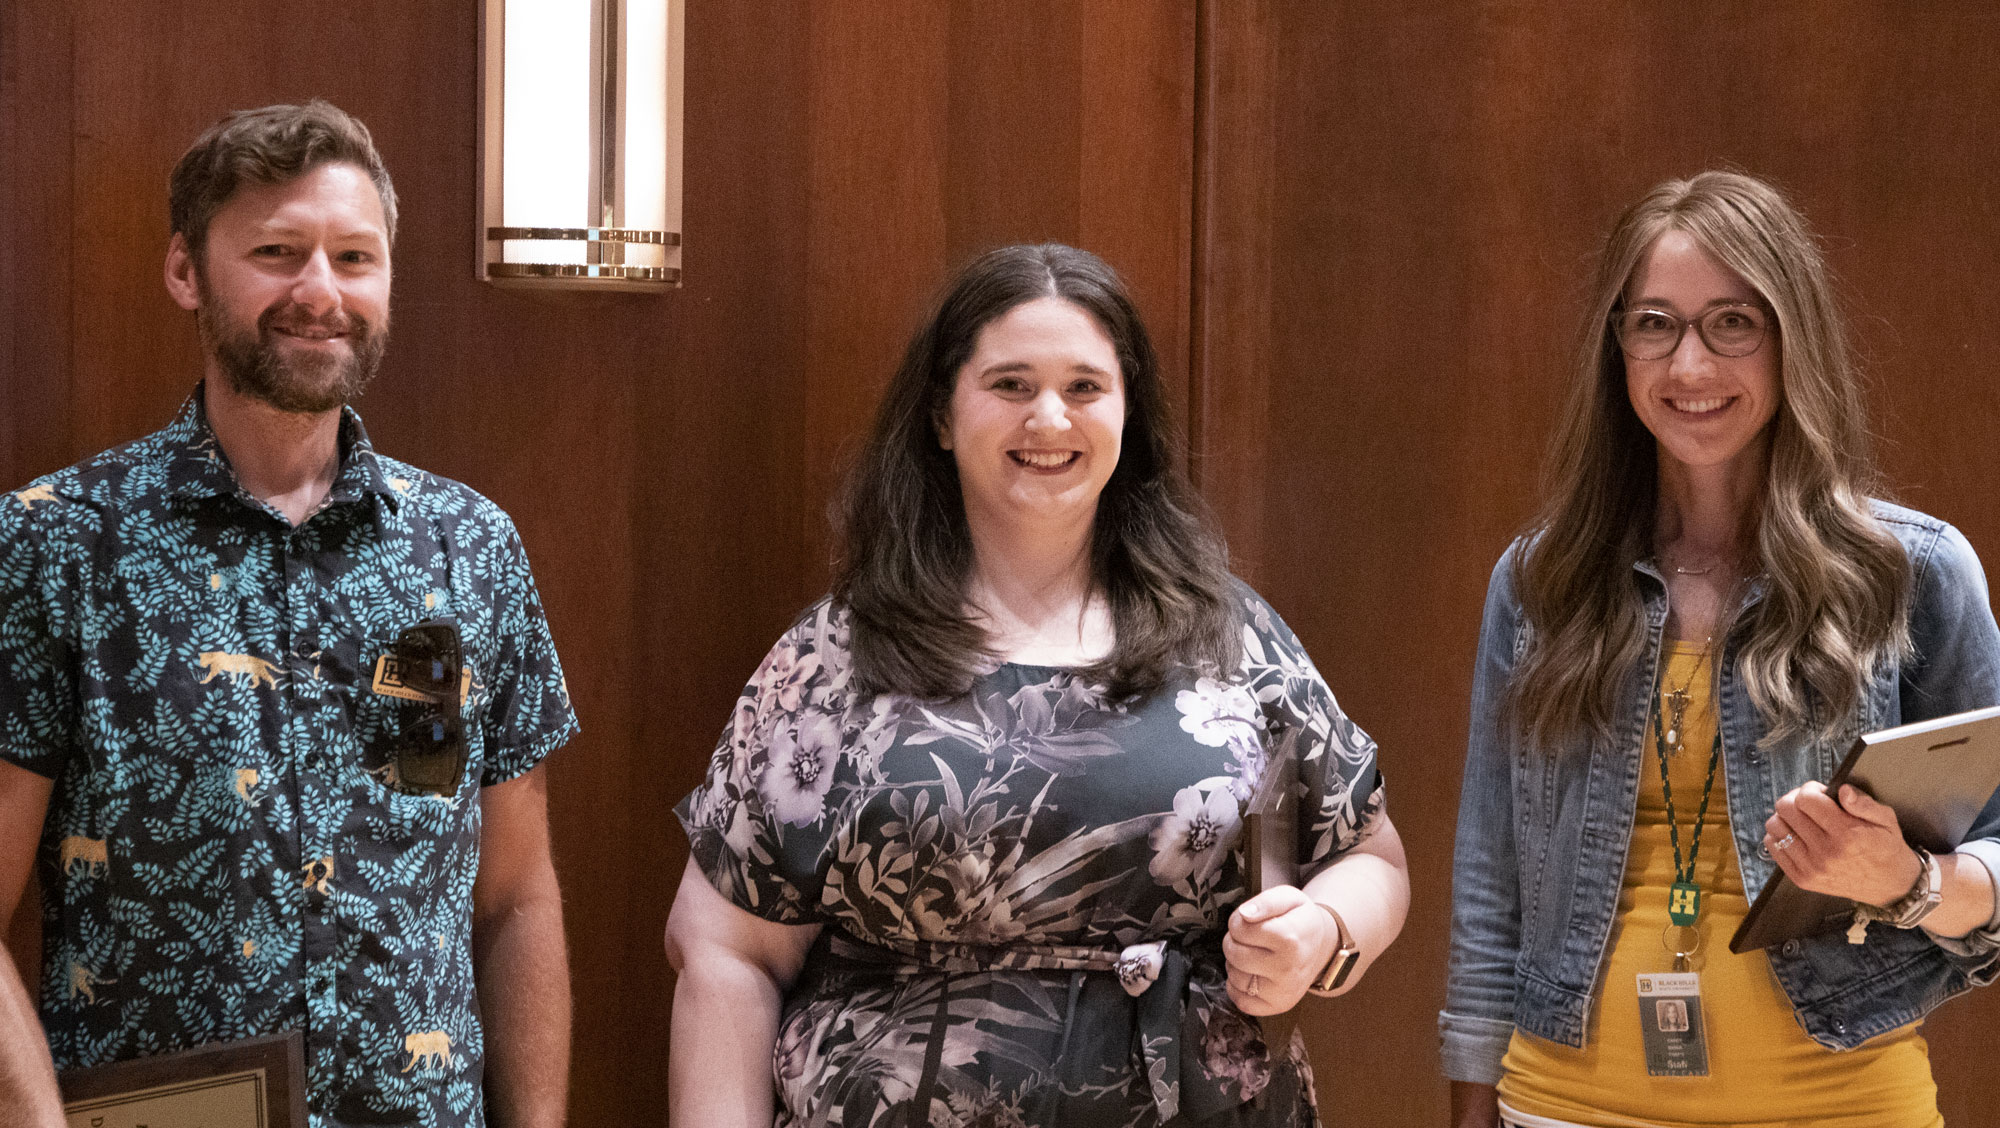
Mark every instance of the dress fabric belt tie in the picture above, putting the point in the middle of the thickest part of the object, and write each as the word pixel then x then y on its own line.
pixel 1158 974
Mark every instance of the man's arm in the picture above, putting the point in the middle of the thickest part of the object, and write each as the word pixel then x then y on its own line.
pixel 519 960
pixel 28 1096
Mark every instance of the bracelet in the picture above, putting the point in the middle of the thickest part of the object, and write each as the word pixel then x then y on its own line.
pixel 1909 910
pixel 1923 897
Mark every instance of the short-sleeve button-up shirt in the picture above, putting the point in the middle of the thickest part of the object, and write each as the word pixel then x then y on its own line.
pixel 227 851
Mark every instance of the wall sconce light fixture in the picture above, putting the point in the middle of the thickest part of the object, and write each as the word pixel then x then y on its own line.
pixel 580 143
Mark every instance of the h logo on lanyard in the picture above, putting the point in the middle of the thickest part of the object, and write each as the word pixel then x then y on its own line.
pixel 1683 902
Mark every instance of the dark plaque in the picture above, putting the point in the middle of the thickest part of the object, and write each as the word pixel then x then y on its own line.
pixel 254 1083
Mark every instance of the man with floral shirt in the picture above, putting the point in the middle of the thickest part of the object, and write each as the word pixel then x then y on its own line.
pixel 272 705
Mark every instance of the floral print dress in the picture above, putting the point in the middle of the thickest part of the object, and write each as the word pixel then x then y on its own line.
pixel 1022 889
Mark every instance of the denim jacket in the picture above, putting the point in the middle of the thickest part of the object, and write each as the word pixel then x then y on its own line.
pixel 1543 832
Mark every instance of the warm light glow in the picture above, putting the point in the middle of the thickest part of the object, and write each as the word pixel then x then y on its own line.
pixel 645 159
pixel 580 143
pixel 545 144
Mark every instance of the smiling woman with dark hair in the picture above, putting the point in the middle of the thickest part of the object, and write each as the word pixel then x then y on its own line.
pixel 964 854
pixel 909 545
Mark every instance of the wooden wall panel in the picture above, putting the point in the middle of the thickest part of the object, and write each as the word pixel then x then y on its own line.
pixel 877 231
pixel 1135 199
pixel 121 388
pixel 1441 179
pixel 1230 379
pixel 1014 107
pixel 1390 502
pixel 35 213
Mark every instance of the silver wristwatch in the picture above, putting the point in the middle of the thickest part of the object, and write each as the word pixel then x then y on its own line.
pixel 1922 898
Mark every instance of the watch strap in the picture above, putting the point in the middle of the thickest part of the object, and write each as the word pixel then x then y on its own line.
pixel 1346 956
pixel 1923 897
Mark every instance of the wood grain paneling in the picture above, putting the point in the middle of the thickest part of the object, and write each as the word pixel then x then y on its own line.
pixel 1015 105
pixel 877 230
pixel 35 266
pixel 1229 403
pixel 1135 200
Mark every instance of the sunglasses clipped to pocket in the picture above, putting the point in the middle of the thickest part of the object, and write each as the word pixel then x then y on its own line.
pixel 426 664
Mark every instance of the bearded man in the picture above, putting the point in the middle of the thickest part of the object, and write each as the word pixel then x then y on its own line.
pixel 273 705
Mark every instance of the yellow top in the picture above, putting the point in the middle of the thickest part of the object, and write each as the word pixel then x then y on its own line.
pixel 1763 1069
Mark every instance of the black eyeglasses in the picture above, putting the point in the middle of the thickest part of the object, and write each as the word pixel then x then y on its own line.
pixel 1737 329
pixel 430 753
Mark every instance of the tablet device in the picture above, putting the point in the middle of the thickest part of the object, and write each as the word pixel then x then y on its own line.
pixel 1937 775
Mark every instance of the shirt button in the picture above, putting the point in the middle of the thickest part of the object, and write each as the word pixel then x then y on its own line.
pixel 1791 948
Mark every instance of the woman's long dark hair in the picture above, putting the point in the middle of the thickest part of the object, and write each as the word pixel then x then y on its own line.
pixel 905 550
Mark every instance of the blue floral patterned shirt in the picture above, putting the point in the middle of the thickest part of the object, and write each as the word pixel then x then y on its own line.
pixel 228 851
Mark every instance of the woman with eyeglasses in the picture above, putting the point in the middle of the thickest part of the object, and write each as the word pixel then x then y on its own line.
pixel 1707 610
pixel 965 854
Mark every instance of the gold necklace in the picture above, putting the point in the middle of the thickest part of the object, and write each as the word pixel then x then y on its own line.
pixel 1676 700
pixel 1684 570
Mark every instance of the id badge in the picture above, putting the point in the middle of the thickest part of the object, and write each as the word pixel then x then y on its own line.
pixel 1670 1024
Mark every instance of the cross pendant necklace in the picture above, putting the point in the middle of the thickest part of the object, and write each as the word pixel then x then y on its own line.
pixel 1677 703
pixel 1677 698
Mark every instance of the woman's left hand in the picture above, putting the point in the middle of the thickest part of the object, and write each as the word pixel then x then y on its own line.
pixel 1852 848
pixel 1276 943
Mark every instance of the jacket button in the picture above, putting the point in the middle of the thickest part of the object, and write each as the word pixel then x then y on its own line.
pixel 1839 1027
pixel 1791 948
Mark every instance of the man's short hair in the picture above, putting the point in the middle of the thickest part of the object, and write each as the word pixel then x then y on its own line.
pixel 271 145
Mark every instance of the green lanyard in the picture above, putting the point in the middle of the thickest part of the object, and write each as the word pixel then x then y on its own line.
pixel 1684 897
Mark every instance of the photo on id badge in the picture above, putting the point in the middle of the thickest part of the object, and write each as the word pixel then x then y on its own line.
pixel 1670 1024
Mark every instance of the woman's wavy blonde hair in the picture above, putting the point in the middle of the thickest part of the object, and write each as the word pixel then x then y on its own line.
pixel 1835 598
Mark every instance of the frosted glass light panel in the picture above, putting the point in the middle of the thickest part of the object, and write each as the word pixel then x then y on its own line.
pixel 580 143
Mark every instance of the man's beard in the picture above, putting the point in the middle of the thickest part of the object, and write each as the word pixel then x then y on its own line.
pixel 303 384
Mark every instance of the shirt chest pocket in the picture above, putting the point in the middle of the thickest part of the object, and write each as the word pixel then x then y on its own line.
pixel 416 704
